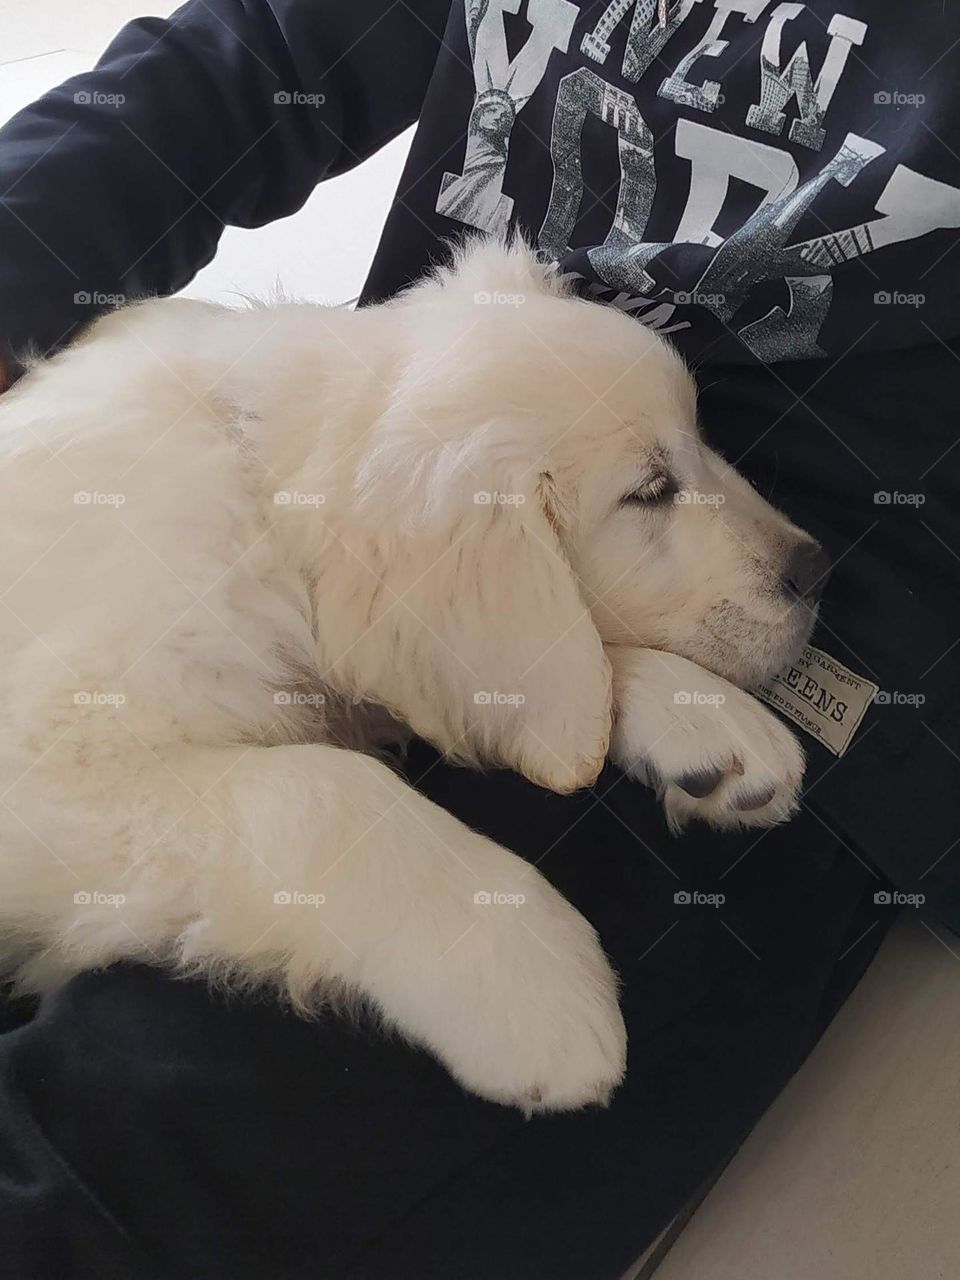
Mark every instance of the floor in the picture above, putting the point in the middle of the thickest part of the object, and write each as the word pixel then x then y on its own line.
pixel 854 1173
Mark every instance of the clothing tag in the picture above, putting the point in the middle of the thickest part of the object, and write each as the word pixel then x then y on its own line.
pixel 822 696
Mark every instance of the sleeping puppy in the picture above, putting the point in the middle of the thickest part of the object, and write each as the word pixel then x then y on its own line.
pixel 242 550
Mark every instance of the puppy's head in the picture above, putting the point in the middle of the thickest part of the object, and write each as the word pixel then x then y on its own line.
pixel 537 487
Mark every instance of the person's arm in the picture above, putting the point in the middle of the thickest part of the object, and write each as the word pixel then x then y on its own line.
pixel 119 182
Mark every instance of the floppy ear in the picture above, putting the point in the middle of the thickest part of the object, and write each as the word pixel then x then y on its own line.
pixel 475 631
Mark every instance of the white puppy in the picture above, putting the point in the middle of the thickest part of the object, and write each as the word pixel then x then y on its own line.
pixel 233 542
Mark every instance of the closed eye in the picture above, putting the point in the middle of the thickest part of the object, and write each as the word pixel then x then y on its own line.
pixel 657 491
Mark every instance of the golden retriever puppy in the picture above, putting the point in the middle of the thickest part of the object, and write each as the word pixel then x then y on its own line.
pixel 242 549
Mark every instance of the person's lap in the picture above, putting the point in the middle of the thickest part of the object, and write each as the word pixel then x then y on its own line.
pixel 149 1119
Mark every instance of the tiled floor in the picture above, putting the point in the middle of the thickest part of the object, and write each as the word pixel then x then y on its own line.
pixel 854 1173
pixel 321 253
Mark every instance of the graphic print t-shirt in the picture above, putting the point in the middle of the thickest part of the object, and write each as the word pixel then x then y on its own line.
pixel 776 188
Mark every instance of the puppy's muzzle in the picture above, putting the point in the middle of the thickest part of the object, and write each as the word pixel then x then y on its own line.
pixel 805 573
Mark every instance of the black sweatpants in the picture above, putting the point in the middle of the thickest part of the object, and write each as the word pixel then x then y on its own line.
pixel 151 1128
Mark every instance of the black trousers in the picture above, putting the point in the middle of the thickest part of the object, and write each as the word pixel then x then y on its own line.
pixel 151 1128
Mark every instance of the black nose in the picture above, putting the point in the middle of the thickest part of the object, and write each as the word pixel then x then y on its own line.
pixel 806 572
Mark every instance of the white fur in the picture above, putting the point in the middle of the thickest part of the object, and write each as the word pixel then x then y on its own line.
pixel 192 665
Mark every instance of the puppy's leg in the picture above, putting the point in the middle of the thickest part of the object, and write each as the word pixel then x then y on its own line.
pixel 709 749
pixel 313 865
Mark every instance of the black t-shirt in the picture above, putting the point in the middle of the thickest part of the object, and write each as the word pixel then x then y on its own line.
pixel 776 188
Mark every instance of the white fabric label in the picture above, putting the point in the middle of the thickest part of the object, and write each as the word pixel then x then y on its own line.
pixel 821 695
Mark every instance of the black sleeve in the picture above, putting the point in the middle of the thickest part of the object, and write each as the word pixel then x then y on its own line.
pixel 119 182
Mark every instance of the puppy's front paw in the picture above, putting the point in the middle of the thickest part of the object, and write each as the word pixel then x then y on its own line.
pixel 522 1007
pixel 744 771
pixel 709 749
